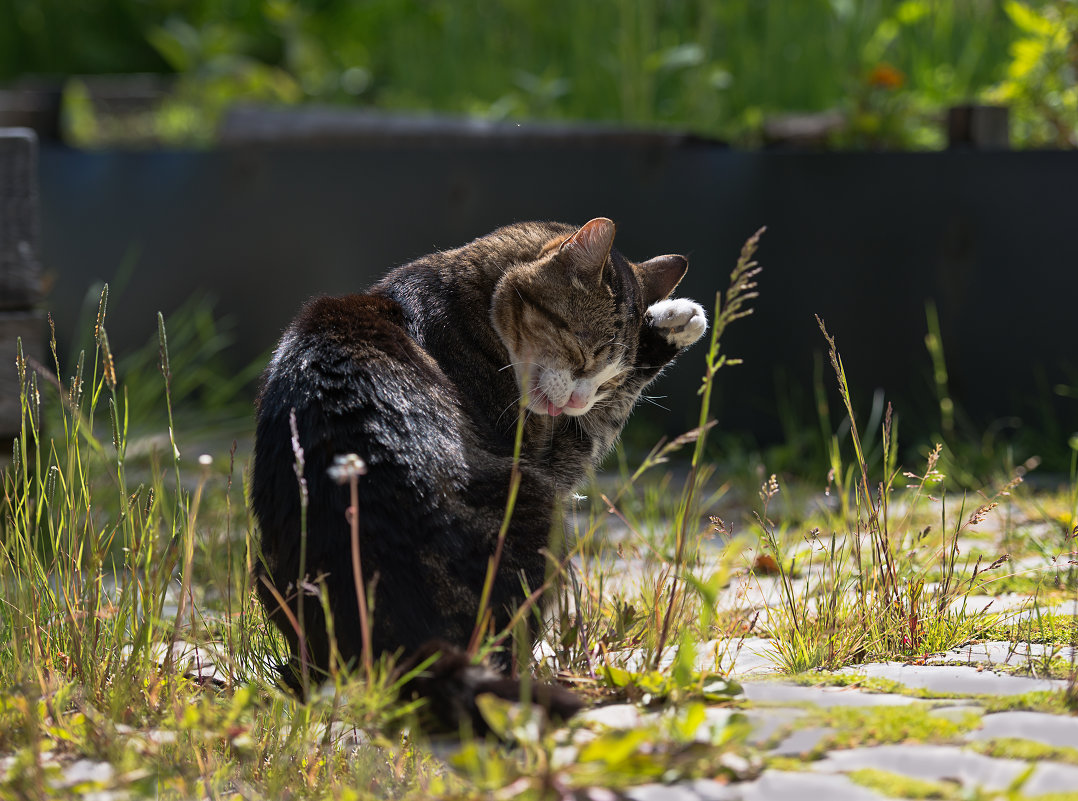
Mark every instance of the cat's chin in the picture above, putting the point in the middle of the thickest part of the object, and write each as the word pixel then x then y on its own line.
pixel 545 406
pixel 548 408
pixel 540 403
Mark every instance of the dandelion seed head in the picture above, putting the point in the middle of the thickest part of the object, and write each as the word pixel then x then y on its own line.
pixel 345 467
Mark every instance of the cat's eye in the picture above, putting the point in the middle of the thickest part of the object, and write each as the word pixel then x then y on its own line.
pixel 580 365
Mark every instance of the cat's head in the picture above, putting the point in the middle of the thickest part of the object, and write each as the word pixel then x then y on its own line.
pixel 570 319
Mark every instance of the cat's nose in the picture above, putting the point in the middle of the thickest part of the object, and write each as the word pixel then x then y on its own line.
pixel 578 400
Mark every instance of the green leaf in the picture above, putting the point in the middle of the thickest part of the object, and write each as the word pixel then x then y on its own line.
pixel 1029 20
pixel 717 688
pixel 614 747
pixel 496 712
pixel 674 58
pixel 618 677
pixel 686 725
pixel 177 42
pixel 912 11
pixel 653 682
pixel 1027 55
pixel 682 669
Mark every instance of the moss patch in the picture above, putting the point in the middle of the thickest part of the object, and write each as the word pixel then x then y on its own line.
pixel 865 726
pixel 785 763
pixel 1015 748
pixel 1042 583
pixel 894 785
pixel 1054 703
pixel 1043 629
pixel 852 680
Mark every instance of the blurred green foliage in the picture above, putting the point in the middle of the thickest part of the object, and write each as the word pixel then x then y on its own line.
pixel 1041 84
pixel 887 68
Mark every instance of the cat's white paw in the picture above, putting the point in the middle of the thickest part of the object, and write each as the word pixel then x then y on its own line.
pixel 681 320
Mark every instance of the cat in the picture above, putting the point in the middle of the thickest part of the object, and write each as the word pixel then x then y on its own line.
pixel 424 377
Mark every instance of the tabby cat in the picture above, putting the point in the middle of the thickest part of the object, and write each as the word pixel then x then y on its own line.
pixel 424 377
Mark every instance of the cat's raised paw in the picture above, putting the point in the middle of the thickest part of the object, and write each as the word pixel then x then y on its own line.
pixel 681 320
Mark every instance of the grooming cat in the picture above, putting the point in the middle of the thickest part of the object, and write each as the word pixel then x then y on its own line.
pixel 423 377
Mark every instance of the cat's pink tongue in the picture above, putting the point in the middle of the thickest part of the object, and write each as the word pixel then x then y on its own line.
pixel 553 410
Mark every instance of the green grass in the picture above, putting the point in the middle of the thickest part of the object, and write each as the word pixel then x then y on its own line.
pixel 111 552
pixel 719 69
pixel 887 69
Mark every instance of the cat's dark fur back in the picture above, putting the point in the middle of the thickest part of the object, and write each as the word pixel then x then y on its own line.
pixel 422 377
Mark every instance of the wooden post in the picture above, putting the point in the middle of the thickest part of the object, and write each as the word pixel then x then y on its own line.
pixel 978 127
pixel 20 271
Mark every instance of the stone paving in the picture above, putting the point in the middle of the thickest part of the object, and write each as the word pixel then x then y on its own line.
pixel 802 742
pixel 788 720
pixel 807 756
pixel 783 717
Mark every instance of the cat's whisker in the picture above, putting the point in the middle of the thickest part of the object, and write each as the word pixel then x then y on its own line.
pixel 516 403
pixel 653 401
pixel 527 415
pixel 518 364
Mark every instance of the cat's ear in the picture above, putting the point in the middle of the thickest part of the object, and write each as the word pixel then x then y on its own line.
pixel 585 252
pixel 660 276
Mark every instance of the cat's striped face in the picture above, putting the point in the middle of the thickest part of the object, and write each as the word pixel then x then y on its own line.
pixel 571 318
pixel 565 326
pixel 568 355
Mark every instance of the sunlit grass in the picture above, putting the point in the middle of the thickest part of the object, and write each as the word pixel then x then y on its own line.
pixel 115 565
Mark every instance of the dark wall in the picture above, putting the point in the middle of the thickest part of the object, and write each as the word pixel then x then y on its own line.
pixel 863 240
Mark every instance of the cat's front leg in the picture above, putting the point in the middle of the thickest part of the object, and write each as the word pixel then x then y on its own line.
pixel 679 321
pixel 669 327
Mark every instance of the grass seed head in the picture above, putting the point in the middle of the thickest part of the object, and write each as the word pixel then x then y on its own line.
pixel 933 458
pixel 769 489
pixel 981 513
pixel 1010 485
pixel 720 526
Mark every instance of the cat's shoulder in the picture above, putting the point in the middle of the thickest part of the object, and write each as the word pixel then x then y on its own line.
pixel 347 314
pixel 352 327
